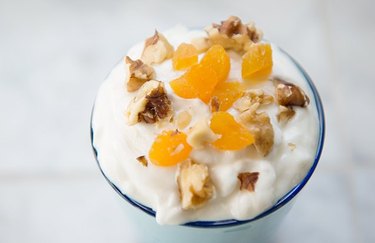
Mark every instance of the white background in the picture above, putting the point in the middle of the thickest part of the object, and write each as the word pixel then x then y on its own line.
pixel 55 54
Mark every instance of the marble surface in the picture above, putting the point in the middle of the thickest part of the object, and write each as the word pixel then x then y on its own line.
pixel 55 54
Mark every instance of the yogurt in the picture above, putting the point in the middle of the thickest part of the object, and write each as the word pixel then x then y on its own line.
pixel 118 145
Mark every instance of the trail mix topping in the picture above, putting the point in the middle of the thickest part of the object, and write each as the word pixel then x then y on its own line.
pixel 201 79
pixel 183 119
pixel 139 73
pixel 169 148
pixel 234 136
pixel 150 105
pixel 248 180
pixel 194 184
pixel 288 94
pixel 260 126
pixel 257 62
pixel 200 135
pixel 233 34
pixel 185 56
pixel 142 159
pixel 285 113
pixel 251 97
pixel 157 49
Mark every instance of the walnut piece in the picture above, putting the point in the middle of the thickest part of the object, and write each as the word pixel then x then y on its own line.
pixel 142 159
pixel 214 104
pixel 200 135
pixel 248 180
pixel 183 119
pixel 150 105
pixel 251 97
pixel 201 44
pixel 157 49
pixel 233 34
pixel 194 184
pixel 285 113
pixel 260 126
pixel 139 73
pixel 288 94
pixel 292 146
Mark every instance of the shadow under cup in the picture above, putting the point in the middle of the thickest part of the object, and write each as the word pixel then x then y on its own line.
pixel 257 229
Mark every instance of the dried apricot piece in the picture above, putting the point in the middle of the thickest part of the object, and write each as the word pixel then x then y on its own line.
pixel 234 136
pixel 185 56
pixel 218 59
pixel 257 62
pixel 226 94
pixel 169 148
pixel 198 82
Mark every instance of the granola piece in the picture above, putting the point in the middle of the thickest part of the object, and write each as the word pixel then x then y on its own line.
pixel 200 135
pixel 248 180
pixel 288 94
pixel 254 96
pixel 151 104
pixel 139 73
pixel 260 126
pixel 285 113
pixel 194 184
pixel 142 159
pixel 157 49
pixel 183 119
pixel 233 34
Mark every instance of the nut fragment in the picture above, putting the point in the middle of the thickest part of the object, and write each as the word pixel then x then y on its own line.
pixel 194 184
pixel 292 146
pixel 255 96
pixel 201 44
pixel 150 105
pixel 288 94
pixel 248 180
pixel 260 126
pixel 233 34
pixel 183 119
pixel 214 104
pixel 200 135
pixel 285 113
pixel 142 159
pixel 139 73
pixel 157 49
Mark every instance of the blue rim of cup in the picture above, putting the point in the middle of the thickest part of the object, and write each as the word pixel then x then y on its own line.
pixel 280 203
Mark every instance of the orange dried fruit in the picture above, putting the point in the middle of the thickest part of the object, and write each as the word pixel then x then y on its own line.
pixel 218 59
pixel 257 62
pixel 226 94
pixel 169 148
pixel 234 136
pixel 198 82
pixel 185 56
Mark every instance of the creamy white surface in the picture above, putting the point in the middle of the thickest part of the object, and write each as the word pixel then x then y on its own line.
pixel 118 145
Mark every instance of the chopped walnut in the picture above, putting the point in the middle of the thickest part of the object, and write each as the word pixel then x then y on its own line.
pixel 233 34
pixel 194 184
pixel 214 104
pixel 288 94
pixel 201 44
pixel 183 119
pixel 142 159
pixel 157 49
pixel 150 105
pixel 139 73
pixel 292 146
pixel 285 113
pixel 260 126
pixel 200 135
pixel 248 180
pixel 255 96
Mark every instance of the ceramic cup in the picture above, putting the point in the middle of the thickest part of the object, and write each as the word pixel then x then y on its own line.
pixel 258 229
